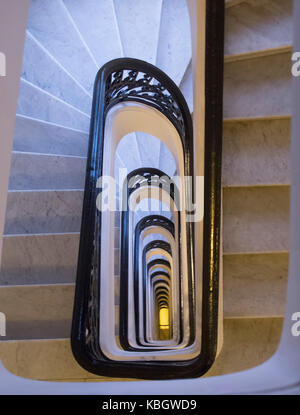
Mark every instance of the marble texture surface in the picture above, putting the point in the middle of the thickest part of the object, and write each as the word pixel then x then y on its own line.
pixel 36 103
pixel 256 219
pixel 37 312
pixel 255 285
pixel 51 24
pixel 257 25
pixel 247 343
pixel 256 152
pixel 36 136
pixel 31 171
pixel 258 87
pixel 32 212
pixel 98 26
pixel 53 360
pixel 39 259
pixel 174 46
pixel 139 26
pixel 42 70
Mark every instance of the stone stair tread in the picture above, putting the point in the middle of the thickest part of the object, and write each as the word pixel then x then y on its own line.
pixel 139 24
pixel 174 46
pixel 41 69
pixel 253 25
pixel 247 342
pixel 254 286
pixel 256 219
pixel 103 39
pixel 33 212
pixel 37 136
pixel 35 103
pixel 51 24
pixel 256 152
pixel 246 82
pixel 32 171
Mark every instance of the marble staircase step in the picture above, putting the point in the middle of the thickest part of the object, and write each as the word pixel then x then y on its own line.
pixel 98 27
pixel 39 311
pixel 247 343
pixel 39 259
pixel 35 136
pixel 139 27
pixel 174 45
pixel 36 103
pixel 248 82
pixel 255 25
pixel 255 219
pixel 43 211
pixel 32 171
pixel 256 152
pixel 42 70
pixel 52 25
pixel 254 286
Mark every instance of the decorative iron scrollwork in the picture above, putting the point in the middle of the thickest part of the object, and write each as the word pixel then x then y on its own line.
pixel 128 85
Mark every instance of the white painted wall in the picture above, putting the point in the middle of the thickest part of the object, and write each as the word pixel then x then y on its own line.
pixel 13 21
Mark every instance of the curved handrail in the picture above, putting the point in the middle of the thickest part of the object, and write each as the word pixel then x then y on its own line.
pixel 124 80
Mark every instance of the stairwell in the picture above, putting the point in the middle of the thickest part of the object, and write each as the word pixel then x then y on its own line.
pixel 48 166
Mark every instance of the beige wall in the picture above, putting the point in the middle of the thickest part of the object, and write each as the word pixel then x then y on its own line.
pixel 13 20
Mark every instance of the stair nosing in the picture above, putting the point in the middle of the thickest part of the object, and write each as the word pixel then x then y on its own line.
pixel 41 90
pixel 50 124
pixel 260 53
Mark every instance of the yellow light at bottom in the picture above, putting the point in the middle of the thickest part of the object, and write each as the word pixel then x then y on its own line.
pixel 164 318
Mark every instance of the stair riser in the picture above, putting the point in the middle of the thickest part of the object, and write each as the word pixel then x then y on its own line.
pixel 34 102
pixel 247 83
pixel 42 70
pixel 254 286
pixel 42 172
pixel 50 24
pixel 247 228
pixel 175 38
pixel 255 25
pixel 139 24
pixel 256 153
pixel 38 137
pixel 41 259
pixel 104 44
pixel 40 212
pixel 256 219
pixel 40 312
pixel 247 343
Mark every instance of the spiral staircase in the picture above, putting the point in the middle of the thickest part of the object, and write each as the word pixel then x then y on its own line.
pixel 66 43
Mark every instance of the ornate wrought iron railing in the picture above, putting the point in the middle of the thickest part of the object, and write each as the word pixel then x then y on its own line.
pixel 192 349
